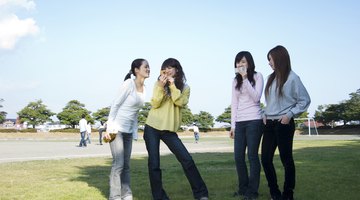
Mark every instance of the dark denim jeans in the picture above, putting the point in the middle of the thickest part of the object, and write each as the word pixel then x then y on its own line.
pixel 248 134
pixel 82 140
pixel 152 139
pixel 281 136
pixel 101 130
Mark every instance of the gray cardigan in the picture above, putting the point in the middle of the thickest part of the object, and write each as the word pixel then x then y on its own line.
pixel 295 99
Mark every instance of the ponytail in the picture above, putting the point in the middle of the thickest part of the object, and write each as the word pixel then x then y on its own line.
pixel 128 75
pixel 134 65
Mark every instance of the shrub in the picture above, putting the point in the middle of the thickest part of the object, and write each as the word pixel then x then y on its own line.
pixel 12 130
pixel 67 130
pixel 28 130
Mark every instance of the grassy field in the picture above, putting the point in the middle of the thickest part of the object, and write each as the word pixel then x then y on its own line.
pixel 325 170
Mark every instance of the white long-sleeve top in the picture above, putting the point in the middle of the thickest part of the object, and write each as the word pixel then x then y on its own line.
pixel 245 103
pixel 82 125
pixel 124 109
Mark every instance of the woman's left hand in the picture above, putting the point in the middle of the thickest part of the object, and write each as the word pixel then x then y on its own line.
pixel 284 119
pixel 162 80
pixel 243 72
pixel 171 80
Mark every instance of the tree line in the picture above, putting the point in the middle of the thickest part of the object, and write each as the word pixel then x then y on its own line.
pixel 346 111
pixel 36 113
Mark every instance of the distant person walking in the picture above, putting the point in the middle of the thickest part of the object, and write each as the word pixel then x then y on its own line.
pixel 82 126
pixel 123 122
pixel 88 133
pixel 246 124
pixel 286 97
pixel 196 133
pixel 101 129
pixel 170 95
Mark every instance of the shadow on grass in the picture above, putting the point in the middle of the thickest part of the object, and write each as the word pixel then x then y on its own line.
pixel 323 172
pixel 96 176
pixel 327 172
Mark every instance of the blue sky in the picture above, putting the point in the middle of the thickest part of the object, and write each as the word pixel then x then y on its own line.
pixel 58 51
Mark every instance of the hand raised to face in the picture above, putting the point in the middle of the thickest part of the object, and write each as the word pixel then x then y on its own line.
pixel 162 80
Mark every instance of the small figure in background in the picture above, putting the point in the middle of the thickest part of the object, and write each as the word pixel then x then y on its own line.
pixel 82 126
pixel 88 133
pixel 196 133
pixel 102 128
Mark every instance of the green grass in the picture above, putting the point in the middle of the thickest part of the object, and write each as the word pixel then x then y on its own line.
pixel 324 169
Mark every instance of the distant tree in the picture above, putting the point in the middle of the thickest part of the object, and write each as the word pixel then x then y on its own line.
pixel 331 113
pixel 262 105
pixel 225 116
pixel 302 115
pixel 319 114
pixel 348 110
pixel 2 113
pixel 352 111
pixel 35 113
pixel 72 113
pixel 187 116
pixel 204 119
pixel 102 114
pixel 143 113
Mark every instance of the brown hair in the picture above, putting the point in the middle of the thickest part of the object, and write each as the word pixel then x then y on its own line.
pixel 282 68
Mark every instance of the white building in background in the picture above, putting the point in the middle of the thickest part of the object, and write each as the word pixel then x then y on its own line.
pixel 9 123
pixel 49 126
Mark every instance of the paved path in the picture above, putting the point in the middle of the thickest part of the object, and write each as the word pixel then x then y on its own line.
pixel 26 149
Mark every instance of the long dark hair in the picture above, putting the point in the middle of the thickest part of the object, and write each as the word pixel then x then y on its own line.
pixel 282 68
pixel 135 64
pixel 250 69
pixel 180 78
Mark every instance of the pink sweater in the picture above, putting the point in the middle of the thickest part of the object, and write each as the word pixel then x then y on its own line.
pixel 245 103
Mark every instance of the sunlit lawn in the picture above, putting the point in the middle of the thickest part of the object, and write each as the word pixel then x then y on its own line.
pixel 325 170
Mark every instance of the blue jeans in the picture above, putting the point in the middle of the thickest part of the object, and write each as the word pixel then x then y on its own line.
pixel 281 136
pixel 248 135
pixel 120 171
pixel 101 130
pixel 82 140
pixel 88 139
pixel 152 139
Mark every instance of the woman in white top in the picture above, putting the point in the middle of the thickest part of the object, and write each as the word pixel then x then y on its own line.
pixel 88 133
pixel 122 120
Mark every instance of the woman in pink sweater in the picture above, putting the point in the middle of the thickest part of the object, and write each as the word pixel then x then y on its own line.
pixel 246 123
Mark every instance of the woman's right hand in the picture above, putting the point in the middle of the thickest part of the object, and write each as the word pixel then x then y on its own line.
pixel 107 136
pixel 162 80
pixel 264 120
pixel 231 133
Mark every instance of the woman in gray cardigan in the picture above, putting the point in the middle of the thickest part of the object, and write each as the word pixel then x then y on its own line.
pixel 286 97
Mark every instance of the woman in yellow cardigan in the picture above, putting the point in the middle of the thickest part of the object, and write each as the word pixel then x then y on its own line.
pixel 170 95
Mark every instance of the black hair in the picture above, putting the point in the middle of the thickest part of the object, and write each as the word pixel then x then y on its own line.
pixel 180 78
pixel 282 68
pixel 135 64
pixel 250 68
